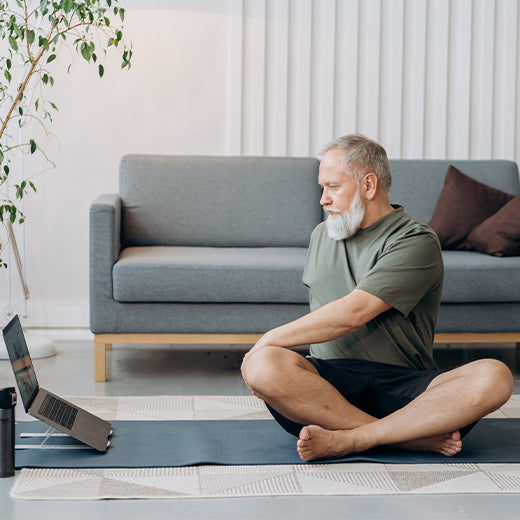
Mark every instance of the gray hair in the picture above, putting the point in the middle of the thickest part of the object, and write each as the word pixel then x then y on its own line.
pixel 362 155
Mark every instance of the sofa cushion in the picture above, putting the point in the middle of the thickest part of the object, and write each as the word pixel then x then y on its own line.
pixel 463 204
pixel 417 183
pixel 499 234
pixel 470 276
pixel 210 274
pixel 219 201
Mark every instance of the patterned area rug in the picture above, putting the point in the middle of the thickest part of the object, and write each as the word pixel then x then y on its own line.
pixel 249 481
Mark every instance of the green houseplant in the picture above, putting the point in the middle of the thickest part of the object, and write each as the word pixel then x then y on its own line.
pixel 33 33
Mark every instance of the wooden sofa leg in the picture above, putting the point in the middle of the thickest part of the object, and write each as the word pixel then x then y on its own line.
pixel 100 361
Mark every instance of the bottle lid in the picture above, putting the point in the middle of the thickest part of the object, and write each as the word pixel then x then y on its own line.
pixel 7 397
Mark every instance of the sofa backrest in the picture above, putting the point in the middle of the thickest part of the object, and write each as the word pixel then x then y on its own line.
pixel 218 201
pixel 417 183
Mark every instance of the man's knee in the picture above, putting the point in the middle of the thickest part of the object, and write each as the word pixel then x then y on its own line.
pixel 501 378
pixel 493 381
pixel 265 369
pixel 258 367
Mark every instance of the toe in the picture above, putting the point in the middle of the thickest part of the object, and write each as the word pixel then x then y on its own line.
pixel 305 434
pixel 305 455
pixel 449 451
pixel 302 444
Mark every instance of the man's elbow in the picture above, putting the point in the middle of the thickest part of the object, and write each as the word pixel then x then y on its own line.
pixel 361 307
pixel 354 323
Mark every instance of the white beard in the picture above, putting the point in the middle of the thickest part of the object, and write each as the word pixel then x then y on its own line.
pixel 344 225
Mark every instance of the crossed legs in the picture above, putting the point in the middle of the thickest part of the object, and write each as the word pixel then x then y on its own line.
pixel 292 386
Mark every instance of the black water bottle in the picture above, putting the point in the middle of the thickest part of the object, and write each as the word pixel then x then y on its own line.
pixel 7 404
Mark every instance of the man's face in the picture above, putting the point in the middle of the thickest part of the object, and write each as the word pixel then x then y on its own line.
pixel 341 197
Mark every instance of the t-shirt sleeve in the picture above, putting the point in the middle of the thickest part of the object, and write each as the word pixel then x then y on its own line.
pixel 405 272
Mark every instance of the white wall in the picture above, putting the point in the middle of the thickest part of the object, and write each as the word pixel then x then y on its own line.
pixel 427 78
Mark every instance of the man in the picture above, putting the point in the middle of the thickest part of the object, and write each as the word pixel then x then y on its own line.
pixel 375 280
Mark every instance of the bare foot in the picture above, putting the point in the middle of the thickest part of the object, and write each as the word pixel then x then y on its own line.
pixel 448 444
pixel 318 443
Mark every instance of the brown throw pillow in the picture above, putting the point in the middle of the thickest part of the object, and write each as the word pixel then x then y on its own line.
pixel 463 204
pixel 499 235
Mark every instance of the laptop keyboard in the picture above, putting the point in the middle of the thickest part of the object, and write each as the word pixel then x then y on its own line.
pixel 58 411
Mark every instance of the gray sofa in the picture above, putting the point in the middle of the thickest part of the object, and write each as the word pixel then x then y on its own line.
pixel 211 250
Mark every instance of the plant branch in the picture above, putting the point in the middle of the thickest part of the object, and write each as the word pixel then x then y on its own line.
pixel 44 26
pixel 27 31
pixel 21 90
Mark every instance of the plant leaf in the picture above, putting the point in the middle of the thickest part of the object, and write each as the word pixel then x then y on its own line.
pixel 13 43
pixel 43 42
pixel 85 51
pixel 67 5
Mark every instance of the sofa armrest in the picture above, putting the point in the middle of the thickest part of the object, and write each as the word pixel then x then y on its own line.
pixel 105 245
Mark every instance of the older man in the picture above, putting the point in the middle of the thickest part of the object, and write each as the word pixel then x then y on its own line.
pixel 375 279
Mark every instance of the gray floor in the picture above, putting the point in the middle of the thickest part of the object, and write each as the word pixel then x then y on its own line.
pixel 171 371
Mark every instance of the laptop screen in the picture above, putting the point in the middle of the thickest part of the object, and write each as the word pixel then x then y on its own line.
pixel 21 361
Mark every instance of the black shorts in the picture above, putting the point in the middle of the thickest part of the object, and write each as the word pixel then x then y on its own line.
pixel 378 389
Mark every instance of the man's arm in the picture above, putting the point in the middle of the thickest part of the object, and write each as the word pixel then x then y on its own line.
pixel 326 323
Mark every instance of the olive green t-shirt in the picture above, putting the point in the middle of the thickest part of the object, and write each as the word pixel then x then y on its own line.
pixel 397 259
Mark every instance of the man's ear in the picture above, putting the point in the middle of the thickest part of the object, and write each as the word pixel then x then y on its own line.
pixel 370 184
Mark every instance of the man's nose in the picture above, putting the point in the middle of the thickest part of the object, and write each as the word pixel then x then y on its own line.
pixel 325 198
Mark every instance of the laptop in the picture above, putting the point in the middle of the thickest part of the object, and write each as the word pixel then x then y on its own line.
pixel 46 406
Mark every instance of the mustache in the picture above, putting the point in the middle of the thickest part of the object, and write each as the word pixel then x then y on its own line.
pixel 330 209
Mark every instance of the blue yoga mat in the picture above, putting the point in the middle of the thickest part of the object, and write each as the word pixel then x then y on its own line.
pixel 144 444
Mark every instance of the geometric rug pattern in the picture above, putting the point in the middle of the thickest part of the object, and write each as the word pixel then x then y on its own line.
pixel 207 481
pixel 257 481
